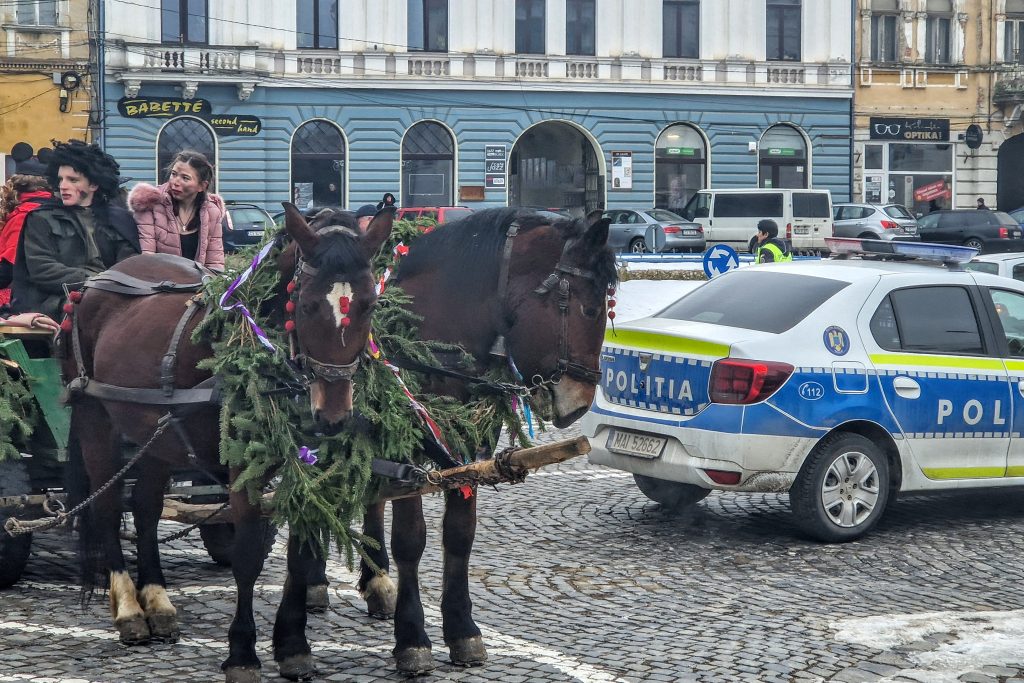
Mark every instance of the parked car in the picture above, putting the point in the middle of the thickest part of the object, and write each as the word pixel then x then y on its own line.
pixel 853 381
pixel 248 224
pixel 1018 215
pixel 1008 265
pixel 984 230
pixel 629 229
pixel 441 214
pixel 874 221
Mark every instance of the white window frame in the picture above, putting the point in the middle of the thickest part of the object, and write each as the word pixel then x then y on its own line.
pixel 1013 48
pixel 24 5
pixel 897 30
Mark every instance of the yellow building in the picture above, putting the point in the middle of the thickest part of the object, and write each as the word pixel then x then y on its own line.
pixel 923 94
pixel 45 88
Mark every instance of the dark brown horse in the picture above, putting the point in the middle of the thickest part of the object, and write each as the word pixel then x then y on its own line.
pixel 122 341
pixel 492 281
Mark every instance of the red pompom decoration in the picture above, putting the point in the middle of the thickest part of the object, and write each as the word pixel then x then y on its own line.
pixel 75 297
pixel 611 303
pixel 345 322
pixel 291 287
pixel 68 308
pixel 290 307
pixel 65 324
pixel 611 291
pixel 611 315
pixel 289 325
pixel 402 250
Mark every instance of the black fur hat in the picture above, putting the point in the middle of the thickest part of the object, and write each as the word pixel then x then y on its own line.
pixel 99 167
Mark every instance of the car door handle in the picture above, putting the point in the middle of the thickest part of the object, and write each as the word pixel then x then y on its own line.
pixel 906 387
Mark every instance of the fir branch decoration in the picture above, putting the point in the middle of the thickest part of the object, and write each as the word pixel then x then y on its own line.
pixel 18 414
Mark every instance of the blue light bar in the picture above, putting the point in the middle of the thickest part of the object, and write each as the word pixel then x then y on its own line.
pixel 922 251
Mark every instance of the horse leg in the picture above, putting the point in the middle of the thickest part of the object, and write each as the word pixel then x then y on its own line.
pixel 461 634
pixel 242 664
pixel 291 648
pixel 408 538
pixel 317 597
pixel 375 586
pixel 100 452
pixel 148 502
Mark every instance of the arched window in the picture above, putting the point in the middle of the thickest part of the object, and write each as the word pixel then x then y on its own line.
pixel 783 158
pixel 680 166
pixel 181 134
pixel 428 165
pixel 318 165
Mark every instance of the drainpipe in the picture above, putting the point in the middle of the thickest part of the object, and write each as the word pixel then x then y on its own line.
pixel 853 89
pixel 101 68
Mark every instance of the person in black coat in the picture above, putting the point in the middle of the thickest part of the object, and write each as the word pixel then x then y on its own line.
pixel 75 236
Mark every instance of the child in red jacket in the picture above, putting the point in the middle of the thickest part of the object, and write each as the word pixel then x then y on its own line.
pixel 21 195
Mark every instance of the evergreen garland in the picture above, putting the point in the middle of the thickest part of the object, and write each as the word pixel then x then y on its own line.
pixel 18 413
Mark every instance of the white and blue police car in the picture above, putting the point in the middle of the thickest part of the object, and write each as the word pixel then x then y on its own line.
pixel 845 381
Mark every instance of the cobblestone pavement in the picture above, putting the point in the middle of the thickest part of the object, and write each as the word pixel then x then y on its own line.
pixel 576 577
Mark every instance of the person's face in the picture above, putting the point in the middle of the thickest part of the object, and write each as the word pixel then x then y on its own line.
pixel 184 183
pixel 75 188
pixel 363 223
pixel 981 202
pixel 761 236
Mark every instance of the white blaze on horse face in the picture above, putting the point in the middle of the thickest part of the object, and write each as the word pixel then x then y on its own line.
pixel 339 290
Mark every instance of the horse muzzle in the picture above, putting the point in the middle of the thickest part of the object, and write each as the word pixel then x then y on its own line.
pixel 331 404
pixel 570 399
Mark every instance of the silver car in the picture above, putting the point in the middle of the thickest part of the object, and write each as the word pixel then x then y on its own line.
pixel 874 221
pixel 629 229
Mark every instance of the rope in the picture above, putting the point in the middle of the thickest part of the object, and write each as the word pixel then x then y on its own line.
pixel 14 526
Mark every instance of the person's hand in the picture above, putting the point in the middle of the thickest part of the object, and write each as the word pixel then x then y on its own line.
pixel 34 320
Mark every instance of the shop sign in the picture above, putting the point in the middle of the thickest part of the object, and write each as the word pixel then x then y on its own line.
pixel 622 170
pixel 909 130
pixel 931 191
pixel 681 151
pixel 235 124
pixel 974 136
pixel 781 152
pixel 161 107
pixel 495 166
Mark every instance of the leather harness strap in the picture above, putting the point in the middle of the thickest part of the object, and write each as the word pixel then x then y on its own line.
pixel 170 359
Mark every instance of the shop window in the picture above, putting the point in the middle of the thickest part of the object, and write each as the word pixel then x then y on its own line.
pixel 36 12
pixel 318 165
pixel 317 24
pixel 885 26
pixel 180 134
pixel 921 176
pixel 681 28
pixel 530 27
pixel 428 165
pixel 680 167
pixel 1013 49
pixel 782 157
pixel 784 30
pixel 938 28
pixel 428 25
pixel 873 156
pixel 580 27
pixel 184 22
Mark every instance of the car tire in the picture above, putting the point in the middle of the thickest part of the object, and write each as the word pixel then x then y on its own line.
pixel 14 550
pixel 842 489
pixel 637 246
pixel 975 243
pixel 673 495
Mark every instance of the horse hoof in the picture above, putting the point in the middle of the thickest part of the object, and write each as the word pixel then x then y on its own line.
pixel 381 596
pixel 134 631
pixel 317 598
pixel 468 651
pixel 163 627
pixel 414 661
pixel 297 668
pixel 242 674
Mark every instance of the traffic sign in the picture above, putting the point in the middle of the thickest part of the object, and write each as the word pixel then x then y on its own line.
pixel 720 259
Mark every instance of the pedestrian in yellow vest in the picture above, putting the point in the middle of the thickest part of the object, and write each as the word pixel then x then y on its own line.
pixel 770 249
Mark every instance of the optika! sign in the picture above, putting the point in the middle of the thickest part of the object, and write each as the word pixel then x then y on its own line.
pixel 909 130
pixel 161 107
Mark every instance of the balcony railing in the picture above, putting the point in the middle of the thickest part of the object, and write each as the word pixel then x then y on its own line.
pixel 1009 86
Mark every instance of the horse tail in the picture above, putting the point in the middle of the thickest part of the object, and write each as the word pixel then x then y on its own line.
pixel 90 548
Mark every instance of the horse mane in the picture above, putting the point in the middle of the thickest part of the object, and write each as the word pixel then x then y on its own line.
pixel 468 250
pixel 338 250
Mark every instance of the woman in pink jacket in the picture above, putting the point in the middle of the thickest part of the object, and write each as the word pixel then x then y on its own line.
pixel 180 217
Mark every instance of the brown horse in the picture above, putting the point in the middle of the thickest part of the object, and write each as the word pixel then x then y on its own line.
pixel 534 292
pixel 122 341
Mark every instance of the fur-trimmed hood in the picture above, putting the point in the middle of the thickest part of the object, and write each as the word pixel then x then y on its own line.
pixel 154 213
pixel 146 197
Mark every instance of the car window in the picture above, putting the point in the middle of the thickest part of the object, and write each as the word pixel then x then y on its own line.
pixel 837 212
pixel 921 331
pixel 249 218
pixel 612 216
pixel 1010 311
pixel 456 214
pixel 427 213
pixel 1018 272
pixel 630 217
pixel 866 211
pixel 732 300
pixel 897 211
pixel 663 215
pixel 752 205
pixel 983 267
pixel 929 221
pixel 1001 218
pixel 810 205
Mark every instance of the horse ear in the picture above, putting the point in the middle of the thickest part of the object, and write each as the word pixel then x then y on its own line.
pixel 377 231
pixel 295 225
pixel 597 232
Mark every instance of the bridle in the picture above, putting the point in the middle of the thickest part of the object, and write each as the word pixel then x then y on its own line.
pixel 328 372
pixel 560 277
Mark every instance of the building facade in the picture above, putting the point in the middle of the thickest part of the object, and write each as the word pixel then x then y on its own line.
pixel 47 59
pixel 574 104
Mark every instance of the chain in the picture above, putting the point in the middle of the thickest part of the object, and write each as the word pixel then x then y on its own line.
pixel 15 528
pixel 187 530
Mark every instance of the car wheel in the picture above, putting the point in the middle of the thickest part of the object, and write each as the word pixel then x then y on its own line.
pixel 842 488
pixel 673 495
pixel 638 246
pixel 974 243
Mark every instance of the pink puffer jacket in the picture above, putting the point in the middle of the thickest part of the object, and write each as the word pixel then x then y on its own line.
pixel 151 206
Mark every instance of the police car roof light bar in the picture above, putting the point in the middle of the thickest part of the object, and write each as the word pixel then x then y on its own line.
pixel 950 255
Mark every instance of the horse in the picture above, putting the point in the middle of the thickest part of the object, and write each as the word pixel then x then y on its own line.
pixel 131 350
pixel 538 299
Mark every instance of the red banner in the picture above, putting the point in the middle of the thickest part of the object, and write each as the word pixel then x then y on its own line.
pixel 930 191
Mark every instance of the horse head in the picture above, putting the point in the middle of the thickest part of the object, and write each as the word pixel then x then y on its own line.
pixel 331 301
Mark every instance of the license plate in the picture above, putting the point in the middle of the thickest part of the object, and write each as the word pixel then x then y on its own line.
pixel 255 233
pixel 801 231
pixel 637 445
pixel 690 232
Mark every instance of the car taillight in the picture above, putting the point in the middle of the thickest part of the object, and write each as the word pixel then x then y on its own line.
pixel 738 381
pixel 699 228
pixel 673 230
pixel 1004 233
pixel 889 225
pixel 724 477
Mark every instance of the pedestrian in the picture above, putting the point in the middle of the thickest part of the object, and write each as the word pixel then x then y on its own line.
pixel 365 214
pixel 68 240
pixel 182 217
pixel 769 248
pixel 981 204
pixel 21 195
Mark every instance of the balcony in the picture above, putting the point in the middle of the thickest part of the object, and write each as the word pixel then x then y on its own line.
pixel 1009 86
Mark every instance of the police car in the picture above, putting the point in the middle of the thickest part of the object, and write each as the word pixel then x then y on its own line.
pixel 845 381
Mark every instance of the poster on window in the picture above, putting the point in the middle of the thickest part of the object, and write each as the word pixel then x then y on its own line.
pixel 302 195
pixel 931 191
pixel 622 170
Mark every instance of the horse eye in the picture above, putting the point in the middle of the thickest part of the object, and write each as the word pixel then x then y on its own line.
pixel 590 313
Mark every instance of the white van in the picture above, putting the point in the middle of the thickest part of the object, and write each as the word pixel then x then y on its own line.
pixel 731 216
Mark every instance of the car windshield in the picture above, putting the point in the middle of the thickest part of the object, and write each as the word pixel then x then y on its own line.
pixel 250 217
pixel 897 211
pixel 663 215
pixel 736 300
pixel 983 267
